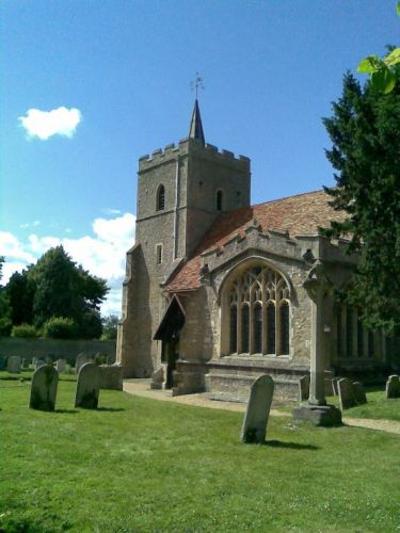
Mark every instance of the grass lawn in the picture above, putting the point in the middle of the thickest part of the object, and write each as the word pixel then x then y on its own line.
pixel 144 465
pixel 377 407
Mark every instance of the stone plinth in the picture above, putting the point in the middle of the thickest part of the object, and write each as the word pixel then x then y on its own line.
pixel 319 415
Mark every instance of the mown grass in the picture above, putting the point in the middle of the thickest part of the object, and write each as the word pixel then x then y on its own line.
pixel 143 465
pixel 378 407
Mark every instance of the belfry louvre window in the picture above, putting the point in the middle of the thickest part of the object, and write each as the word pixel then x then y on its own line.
pixel 259 313
pixel 160 198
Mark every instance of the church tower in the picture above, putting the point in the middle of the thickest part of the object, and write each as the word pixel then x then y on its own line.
pixel 181 191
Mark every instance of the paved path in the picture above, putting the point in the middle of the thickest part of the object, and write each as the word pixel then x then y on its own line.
pixel 390 426
pixel 141 387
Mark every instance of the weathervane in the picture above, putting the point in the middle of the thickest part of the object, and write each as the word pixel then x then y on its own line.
pixel 197 84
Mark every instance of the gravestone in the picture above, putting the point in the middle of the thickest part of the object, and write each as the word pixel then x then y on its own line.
pixel 60 365
pixel 347 397
pixel 111 377
pixel 335 387
pixel 87 388
pixel 393 387
pixel 25 363
pixel 304 388
pixel 3 362
pixel 257 412
pixel 158 378
pixel 81 359
pixel 14 363
pixel 44 388
pixel 39 363
pixel 359 393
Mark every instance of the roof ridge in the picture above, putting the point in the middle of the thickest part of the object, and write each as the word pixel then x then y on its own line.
pixel 286 197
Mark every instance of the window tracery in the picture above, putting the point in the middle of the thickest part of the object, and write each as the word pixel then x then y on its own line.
pixel 259 309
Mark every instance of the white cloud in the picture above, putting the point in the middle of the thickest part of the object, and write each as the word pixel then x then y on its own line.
pixel 102 254
pixel 111 211
pixel 45 124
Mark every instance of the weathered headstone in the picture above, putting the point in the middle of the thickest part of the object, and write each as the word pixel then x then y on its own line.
pixel 44 388
pixel 60 365
pixel 347 397
pixel 257 412
pixel 39 363
pixel 3 362
pixel 111 377
pixel 14 363
pixel 359 393
pixel 81 359
pixel 335 387
pixel 158 378
pixel 393 387
pixel 87 389
pixel 304 388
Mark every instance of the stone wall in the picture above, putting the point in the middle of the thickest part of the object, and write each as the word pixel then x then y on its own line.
pixel 55 348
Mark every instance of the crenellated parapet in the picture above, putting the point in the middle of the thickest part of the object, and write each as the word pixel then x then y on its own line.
pixel 171 151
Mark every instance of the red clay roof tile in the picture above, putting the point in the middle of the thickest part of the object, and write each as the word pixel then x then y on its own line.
pixel 302 214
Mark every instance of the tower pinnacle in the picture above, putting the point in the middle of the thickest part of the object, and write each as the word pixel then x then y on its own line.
pixel 196 127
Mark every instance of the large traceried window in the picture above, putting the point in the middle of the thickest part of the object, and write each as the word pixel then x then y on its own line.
pixel 259 309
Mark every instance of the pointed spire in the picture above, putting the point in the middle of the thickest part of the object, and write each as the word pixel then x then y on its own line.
pixel 196 127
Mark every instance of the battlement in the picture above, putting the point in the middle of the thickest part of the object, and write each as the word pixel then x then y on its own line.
pixel 170 152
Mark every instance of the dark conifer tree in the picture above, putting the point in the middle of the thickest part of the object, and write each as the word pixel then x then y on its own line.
pixel 365 134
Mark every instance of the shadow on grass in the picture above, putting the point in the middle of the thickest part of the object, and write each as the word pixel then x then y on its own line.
pixel 290 445
pixel 110 409
pixel 65 411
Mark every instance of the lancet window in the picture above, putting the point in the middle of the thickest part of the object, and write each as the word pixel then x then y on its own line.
pixel 259 313
pixel 160 198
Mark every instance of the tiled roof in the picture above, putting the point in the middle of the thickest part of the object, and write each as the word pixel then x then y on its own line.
pixel 302 214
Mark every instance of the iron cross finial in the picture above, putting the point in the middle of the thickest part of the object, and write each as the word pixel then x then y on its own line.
pixel 197 84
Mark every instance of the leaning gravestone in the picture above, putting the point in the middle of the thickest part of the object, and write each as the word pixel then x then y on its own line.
pixel 346 394
pixel 257 412
pixel 81 359
pixel 393 387
pixel 87 389
pixel 359 393
pixel 44 388
pixel 60 365
pixel 14 363
pixel 304 388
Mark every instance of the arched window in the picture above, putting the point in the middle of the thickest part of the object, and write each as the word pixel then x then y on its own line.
pixel 270 328
pixel 220 197
pixel 258 304
pixel 233 330
pixel 257 327
pixel 160 198
pixel 284 327
pixel 245 328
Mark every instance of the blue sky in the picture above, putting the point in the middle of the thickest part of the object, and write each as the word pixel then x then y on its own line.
pixel 270 69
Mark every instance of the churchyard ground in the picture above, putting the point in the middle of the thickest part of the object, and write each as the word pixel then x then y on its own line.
pixel 137 464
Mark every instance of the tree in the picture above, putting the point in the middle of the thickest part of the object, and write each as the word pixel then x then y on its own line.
pixel 61 288
pixel 365 134
pixel 20 291
pixel 5 310
pixel 384 71
pixel 110 324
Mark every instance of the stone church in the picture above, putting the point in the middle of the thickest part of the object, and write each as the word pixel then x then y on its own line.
pixel 216 289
